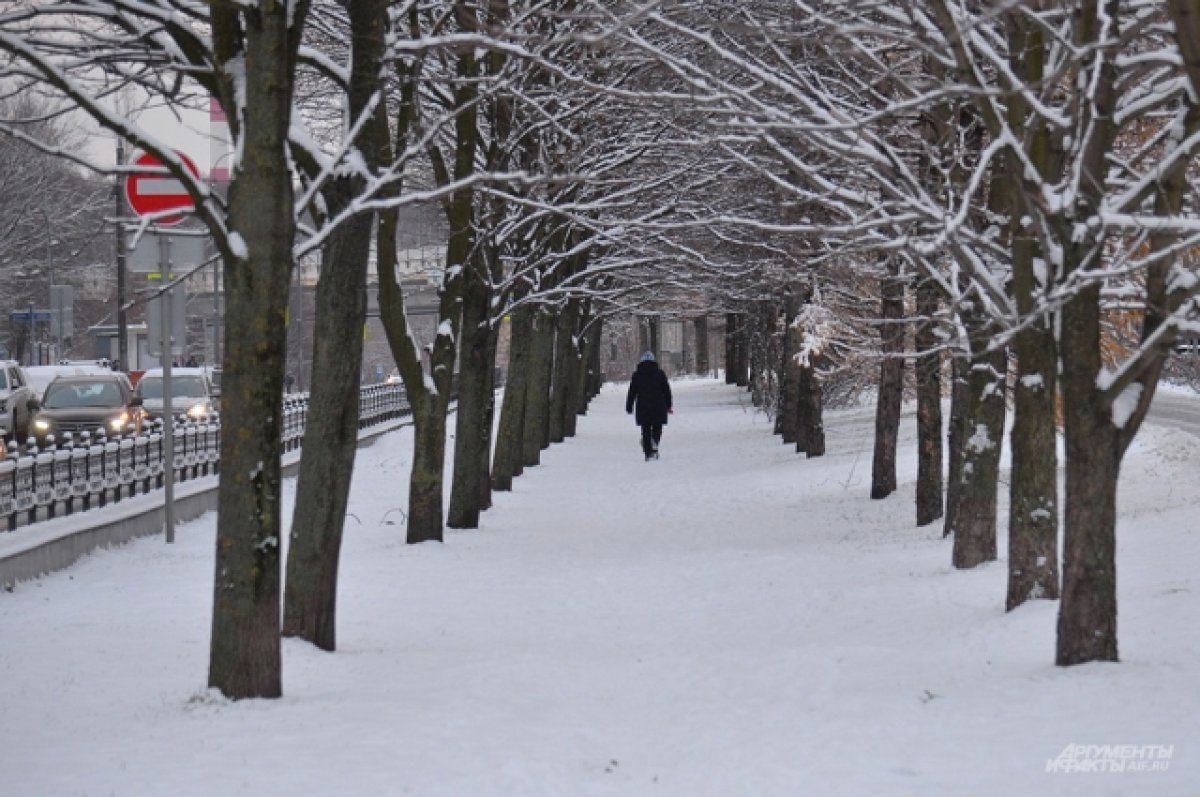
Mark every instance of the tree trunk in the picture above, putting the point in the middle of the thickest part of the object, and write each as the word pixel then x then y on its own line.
pixel 1087 615
pixel 702 359
pixel 891 386
pixel 789 383
pixel 244 658
pixel 956 435
pixel 537 394
pixel 425 483
pixel 1033 505
pixel 929 406
pixel 594 378
pixel 323 486
pixel 731 331
pixel 975 522
pixel 812 412
pixel 474 380
pixel 573 374
pixel 508 462
pixel 564 349
pixel 489 421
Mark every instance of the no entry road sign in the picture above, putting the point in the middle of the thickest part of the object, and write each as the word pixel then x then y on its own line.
pixel 148 194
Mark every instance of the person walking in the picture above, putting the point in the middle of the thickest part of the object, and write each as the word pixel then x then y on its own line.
pixel 650 391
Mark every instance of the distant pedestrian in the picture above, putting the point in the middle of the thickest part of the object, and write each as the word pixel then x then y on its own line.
pixel 650 391
pixel 191 363
pixel 289 382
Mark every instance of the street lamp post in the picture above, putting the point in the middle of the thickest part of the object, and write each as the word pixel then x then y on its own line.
pixel 50 286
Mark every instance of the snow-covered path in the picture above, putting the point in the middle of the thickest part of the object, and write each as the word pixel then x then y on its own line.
pixel 729 620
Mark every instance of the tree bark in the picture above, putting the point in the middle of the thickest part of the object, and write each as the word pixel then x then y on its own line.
pixel 929 406
pixel 731 330
pixel 244 657
pixel 956 435
pixel 975 521
pixel 891 386
pixel 323 486
pixel 474 382
pixel 1033 504
pixel 789 383
pixel 508 462
pixel 573 373
pixel 537 394
pixel 564 349
pixel 489 422
pixel 1087 617
pixel 702 359
pixel 812 412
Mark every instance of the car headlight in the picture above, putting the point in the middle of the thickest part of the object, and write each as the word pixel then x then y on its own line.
pixel 42 426
pixel 197 411
pixel 119 423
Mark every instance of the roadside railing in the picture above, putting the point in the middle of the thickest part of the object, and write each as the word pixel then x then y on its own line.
pixel 86 471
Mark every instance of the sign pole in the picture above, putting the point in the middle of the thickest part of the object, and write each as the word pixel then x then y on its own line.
pixel 168 443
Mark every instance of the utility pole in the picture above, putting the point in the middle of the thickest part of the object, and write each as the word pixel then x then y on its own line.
pixel 122 319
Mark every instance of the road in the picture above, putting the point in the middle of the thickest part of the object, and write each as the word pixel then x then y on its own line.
pixel 1177 410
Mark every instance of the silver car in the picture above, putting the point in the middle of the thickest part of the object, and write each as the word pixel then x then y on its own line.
pixel 16 417
pixel 192 392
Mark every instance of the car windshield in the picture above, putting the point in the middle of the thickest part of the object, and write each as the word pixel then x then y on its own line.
pixel 151 387
pixel 82 394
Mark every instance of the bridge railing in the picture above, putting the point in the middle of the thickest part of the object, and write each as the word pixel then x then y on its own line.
pixel 85 471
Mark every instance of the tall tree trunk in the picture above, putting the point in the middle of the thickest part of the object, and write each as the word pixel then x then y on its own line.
pixel 425 491
pixel 702 359
pixel 731 357
pixel 891 385
pixel 594 379
pixel 929 405
pixel 537 393
pixel 508 462
pixel 1087 617
pixel 244 657
pixel 789 384
pixel 1033 504
pixel 975 522
pixel 573 374
pixel 956 435
pixel 812 412
pixel 323 486
pixel 489 422
pixel 474 380
pixel 425 483
pixel 564 349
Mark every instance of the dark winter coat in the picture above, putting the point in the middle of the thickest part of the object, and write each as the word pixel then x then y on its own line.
pixel 649 389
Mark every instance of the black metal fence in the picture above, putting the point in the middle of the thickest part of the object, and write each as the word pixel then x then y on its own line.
pixel 85 471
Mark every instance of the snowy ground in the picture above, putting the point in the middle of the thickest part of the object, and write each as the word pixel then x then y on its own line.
pixel 730 620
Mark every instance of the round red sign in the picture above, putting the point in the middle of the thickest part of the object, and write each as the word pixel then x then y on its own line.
pixel 154 193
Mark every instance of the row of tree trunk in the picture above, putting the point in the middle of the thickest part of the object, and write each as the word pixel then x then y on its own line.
pixel 763 352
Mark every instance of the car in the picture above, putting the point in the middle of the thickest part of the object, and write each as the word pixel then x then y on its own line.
pixel 16 417
pixel 192 392
pixel 86 403
pixel 40 376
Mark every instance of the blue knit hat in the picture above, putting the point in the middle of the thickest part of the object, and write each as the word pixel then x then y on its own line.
pixel 648 357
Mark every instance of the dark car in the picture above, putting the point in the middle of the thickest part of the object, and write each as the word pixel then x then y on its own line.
pixel 78 404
